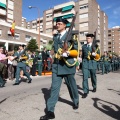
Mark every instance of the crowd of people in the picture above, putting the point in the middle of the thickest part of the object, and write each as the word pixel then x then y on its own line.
pixel 34 64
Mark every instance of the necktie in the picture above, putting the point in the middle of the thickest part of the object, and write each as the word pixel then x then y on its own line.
pixel 89 48
pixel 59 36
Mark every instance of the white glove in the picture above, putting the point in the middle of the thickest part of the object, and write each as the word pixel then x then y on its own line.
pixel 93 54
pixel 65 54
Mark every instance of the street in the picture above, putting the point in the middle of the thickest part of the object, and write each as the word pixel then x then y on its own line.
pixel 28 101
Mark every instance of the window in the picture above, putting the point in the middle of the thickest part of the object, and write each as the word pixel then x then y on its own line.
pixel 83 33
pixel 27 37
pixel 0 32
pixel 84 25
pixel 48 15
pixel 49 23
pixel 17 36
pixel 83 6
pixel 82 43
pixel 48 30
pixel 83 16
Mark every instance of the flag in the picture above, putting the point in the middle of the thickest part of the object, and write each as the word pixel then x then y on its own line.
pixel 12 29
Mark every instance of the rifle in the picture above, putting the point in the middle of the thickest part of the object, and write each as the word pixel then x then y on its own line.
pixel 95 47
pixel 69 34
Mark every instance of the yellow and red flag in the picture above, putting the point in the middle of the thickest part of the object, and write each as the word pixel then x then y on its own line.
pixel 12 29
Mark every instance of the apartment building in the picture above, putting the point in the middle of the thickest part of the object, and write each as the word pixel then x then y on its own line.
pixel 90 18
pixel 11 10
pixel 114 40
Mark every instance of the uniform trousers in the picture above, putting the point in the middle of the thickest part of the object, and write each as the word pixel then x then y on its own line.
pixel 86 73
pixel 55 88
pixel 24 71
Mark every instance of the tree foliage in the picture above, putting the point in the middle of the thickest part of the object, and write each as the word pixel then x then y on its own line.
pixel 32 45
pixel 49 45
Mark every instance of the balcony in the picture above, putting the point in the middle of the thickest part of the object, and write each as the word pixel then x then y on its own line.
pixel 83 28
pixel 83 20
pixel 2 12
pixel 83 2
pixel 63 14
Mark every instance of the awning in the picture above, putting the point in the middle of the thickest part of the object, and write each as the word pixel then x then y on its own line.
pixel 2 5
pixel 68 16
pixel 67 8
pixel 68 25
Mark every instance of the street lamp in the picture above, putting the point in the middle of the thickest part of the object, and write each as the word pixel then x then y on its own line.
pixel 38 41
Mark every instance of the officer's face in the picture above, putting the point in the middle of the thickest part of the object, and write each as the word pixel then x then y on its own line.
pixel 89 39
pixel 60 26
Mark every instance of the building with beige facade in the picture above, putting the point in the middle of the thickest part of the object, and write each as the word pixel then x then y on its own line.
pixel 114 40
pixel 90 18
pixel 11 10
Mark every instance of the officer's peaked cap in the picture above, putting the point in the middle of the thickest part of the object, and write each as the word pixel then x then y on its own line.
pixel 89 35
pixel 65 21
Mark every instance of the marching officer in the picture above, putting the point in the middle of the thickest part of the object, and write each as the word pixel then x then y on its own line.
pixel 90 55
pixel 105 68
pixel 39 64
pixel 21 64
pixel 61 70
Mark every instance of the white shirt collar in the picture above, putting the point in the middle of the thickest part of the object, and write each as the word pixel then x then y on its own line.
pixel 90 44
pixel 62 33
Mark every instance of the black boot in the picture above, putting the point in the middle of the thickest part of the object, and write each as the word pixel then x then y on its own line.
pixel 49 115
pixel 84 95
pixel 94 90
pixel 76 106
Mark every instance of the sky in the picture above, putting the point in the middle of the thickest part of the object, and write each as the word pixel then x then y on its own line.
pixel 110 7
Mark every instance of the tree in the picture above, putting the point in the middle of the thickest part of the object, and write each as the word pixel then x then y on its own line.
pixel 49 45
pixel 32 45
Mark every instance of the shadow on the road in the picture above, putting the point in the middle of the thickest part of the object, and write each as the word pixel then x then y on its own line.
pixel 46 93
pixel 79 88
pixel 65 101
pixel 118 92
pixel 107 108
pixel 3 100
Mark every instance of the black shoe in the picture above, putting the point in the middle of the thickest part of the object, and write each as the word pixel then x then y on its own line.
pixel 76 106
pixel 16 84
pixel 84 95
pixel 94 90
pixel 49 115
pixel 30 81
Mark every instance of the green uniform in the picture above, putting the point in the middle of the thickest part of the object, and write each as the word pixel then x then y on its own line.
pixel 61 70
pixel 39 64
pixel 21 66
pixel 105 67
pixel 89 66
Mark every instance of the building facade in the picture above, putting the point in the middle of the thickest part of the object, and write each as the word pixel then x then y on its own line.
pixel 114 40
pixel 11 10
pixel 90 18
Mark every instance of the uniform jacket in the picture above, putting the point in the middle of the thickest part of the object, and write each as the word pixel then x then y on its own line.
pixel 88 64
pixel 59 66
pixel 39 59
pixel 21 63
